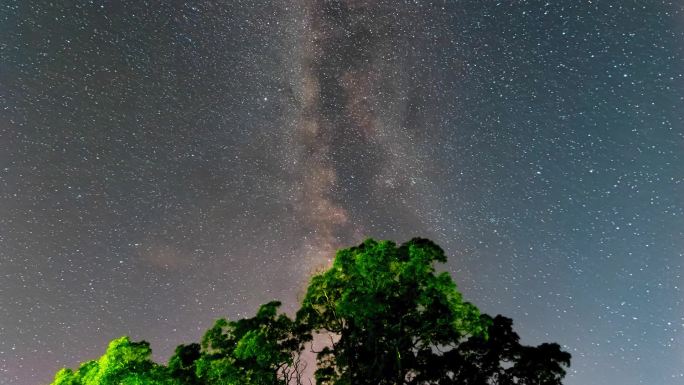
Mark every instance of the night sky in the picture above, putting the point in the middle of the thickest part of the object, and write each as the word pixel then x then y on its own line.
pixel 164 164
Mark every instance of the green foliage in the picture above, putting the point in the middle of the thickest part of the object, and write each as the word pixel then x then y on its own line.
pixel 391 317
pixel 250 351
pixel 66 377
pixel 387 304
pixel 124 363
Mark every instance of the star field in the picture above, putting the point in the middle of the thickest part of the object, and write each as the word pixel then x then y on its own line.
pixel 164 164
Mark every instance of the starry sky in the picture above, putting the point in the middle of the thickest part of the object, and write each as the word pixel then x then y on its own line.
pixel 167 163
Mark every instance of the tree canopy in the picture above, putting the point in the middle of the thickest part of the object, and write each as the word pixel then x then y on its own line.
pixel 388 307
pixel 124 363
pixel 389 317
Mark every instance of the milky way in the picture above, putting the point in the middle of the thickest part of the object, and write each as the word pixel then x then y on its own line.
pixel 164 164
pixel 348 112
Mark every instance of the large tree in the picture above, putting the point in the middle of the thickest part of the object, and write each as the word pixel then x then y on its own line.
pixel 394 320
pixel 390 318
pixel 385 305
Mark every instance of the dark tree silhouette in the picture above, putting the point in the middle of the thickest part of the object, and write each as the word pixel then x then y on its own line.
pixel 182 363
pixel 499 359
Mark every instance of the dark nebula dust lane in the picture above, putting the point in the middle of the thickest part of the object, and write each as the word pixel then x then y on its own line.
pixel 163 164
pixel 352 127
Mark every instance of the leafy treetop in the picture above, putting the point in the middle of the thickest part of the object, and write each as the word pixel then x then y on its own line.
pixel 391 319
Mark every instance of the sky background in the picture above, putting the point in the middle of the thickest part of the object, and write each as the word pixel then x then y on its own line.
pixel 164 164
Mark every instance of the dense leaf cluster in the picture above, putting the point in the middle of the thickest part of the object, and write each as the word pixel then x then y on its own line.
pixel 387 318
